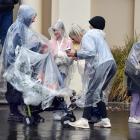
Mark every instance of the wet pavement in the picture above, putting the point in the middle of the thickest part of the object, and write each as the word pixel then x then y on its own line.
pixel 53 130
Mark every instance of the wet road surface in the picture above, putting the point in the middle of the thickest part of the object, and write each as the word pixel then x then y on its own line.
pixel 53 130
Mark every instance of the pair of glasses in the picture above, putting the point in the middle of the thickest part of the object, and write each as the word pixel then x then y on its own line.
pixel 54 30
pixel 72 39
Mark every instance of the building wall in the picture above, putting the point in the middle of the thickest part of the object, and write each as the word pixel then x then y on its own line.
pixel 46 16
pixel 15 11
pixel 119 16
pixel 122 16
pixel 55 10
pixel 137 17
pixel 72 11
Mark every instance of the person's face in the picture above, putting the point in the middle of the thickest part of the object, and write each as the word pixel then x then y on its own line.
pixel 90 27
pixel 76 39
pixel 57 33
pixel 33 19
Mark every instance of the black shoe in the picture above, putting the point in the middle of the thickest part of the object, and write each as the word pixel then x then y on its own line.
pixel 38 118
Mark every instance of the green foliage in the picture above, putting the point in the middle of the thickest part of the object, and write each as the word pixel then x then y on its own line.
pixel 118 91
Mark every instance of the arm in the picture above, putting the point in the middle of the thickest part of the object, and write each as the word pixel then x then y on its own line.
pixel 88 49
pixel 134 55
pixel 10 53
pixel 16 45
pixel 69 48
pixel 44 49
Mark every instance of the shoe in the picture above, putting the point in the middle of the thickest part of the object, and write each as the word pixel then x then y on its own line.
pixel 81 123
pixel 133 120
pixel 16 117
pixel 105 123
pixel 38 118
pixel 138 118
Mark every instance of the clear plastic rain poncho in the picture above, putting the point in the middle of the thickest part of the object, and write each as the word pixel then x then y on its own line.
pixel 60 43
pixel 76 32
pixel 132 69
pixel 28 63
pixel 96 52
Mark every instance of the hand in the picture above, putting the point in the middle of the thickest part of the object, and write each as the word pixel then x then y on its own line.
pixel 44 49
pixel 39 81
pixel 74 58
pixel 71 53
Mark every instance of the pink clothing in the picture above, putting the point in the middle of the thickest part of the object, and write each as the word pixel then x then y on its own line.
pixel 66 43
pixel 58 50
pixel 61 59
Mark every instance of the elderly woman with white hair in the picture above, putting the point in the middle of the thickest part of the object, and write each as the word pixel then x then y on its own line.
pixel 60 43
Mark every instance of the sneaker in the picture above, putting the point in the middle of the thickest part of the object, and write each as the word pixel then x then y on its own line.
pixel 105 123
pixel 133 120
pixel 81 123
pixel 138 118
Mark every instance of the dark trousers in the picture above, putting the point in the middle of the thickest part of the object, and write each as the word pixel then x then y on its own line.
pixel 89 111
pixel 6 19
pixel 94 84
pixel 14 98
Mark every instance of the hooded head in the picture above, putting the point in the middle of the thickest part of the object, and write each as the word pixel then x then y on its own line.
pixel 76 33
pixel 26 14
pixel 57 30
pixel 97 22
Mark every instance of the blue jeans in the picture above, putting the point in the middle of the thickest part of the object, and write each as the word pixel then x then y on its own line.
pixel 6 19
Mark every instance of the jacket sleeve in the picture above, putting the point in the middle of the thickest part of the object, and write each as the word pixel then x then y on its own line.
pixel 88 48
pixel 134 56
pixel 9 52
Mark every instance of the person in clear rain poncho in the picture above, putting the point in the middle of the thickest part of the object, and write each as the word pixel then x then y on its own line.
pixel 28 66
pixel 75 33
pixel 100 67
pixel 60 43
pixel 16 37
pixel 132 72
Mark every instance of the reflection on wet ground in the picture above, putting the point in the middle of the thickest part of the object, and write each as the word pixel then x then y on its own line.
pixel 53 130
